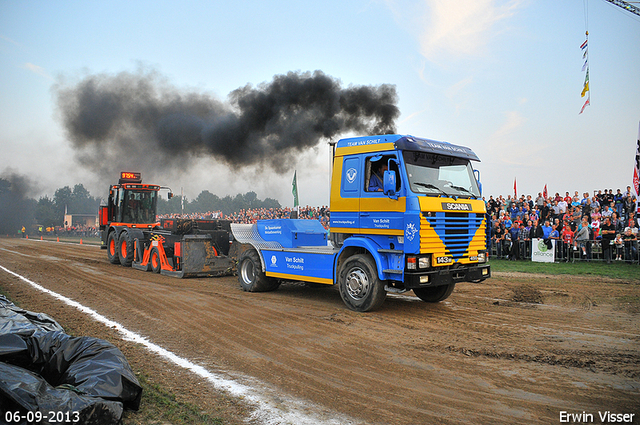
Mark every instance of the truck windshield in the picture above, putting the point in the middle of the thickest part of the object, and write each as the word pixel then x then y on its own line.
pixel 437 175
pixel 139 206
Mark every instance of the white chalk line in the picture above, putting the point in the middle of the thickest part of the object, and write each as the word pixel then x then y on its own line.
pixel 266 413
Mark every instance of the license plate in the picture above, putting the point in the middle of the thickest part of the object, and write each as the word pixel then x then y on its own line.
pixel 444 260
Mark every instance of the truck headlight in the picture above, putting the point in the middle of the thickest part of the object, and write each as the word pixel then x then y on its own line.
pixel 424 262
pixel 482 257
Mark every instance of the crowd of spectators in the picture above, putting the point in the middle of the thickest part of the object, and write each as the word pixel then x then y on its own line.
pixel 252 215
pixel 75 230
pixel 604 219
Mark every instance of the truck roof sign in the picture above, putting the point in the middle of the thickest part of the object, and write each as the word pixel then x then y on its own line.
pixel 410 143
pixel 130 177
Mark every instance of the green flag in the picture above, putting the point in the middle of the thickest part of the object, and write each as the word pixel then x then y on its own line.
pixel 294 190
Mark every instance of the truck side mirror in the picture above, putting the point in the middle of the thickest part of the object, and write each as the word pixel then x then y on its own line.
pixel 390 184
pixel 169 195
pixel 476 173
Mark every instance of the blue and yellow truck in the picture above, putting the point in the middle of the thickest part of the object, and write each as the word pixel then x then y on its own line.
pixel 406 214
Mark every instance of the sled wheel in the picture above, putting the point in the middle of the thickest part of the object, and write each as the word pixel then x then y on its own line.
pixel 154 259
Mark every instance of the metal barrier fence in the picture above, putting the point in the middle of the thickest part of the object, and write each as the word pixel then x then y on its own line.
pixel 589 250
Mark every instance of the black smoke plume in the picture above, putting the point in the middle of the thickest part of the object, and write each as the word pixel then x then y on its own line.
pixel 139 119
pixel 17 209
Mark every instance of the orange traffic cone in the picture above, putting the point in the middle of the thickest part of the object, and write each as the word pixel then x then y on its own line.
pixel 80 241
pixel 40 237
pixel 58 239
pixel 27 236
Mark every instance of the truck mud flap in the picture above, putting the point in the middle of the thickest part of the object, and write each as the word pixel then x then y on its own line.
pixel 140 263
pixel 199 257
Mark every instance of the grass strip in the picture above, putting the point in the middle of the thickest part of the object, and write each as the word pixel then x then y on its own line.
pixel 616 270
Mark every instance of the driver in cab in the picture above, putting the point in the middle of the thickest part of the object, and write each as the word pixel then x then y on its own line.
pixel 375 182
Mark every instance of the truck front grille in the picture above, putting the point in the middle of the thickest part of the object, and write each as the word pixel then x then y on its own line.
pixel 454 230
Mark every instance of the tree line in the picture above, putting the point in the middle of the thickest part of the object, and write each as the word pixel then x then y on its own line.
pixel 207 201
pixel 18 209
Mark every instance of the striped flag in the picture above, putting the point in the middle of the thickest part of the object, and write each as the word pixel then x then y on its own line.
pixel 585 87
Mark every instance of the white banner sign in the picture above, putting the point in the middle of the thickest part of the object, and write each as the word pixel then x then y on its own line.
pixel 541 253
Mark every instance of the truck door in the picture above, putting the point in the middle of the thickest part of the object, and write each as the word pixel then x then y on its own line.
pixel 379 214
pixel 345 195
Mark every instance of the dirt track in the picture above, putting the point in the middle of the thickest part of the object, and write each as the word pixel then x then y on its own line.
pixel 488 354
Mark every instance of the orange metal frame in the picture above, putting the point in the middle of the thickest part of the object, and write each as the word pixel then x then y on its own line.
pixel 159 244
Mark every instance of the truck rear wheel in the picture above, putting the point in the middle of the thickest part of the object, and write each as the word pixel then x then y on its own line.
pixel 112 249
pixel 125 249
pixel 251 276
pixel 435 294
pixel 360 287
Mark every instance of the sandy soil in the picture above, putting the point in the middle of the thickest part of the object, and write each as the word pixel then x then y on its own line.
pixel 514 349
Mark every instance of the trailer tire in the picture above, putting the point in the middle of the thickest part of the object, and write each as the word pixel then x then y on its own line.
pixel 125 249
pixel 112 248
pixel 251 276
pixel 359 285
pixel 154 260
pixel 435 294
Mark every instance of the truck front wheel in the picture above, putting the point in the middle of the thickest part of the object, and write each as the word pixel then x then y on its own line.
pixel 251 276
pixel 435 294
pixel 360 287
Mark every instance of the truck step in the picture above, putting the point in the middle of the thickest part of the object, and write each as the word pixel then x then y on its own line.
pixel 390 251
pixel 392 271
pixel 394 290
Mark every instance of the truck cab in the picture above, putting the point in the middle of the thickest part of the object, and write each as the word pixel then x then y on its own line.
pixel 429 210
pixel 130 208
pixel 406 214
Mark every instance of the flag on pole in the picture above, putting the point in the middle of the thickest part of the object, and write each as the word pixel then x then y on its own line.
pixel 544 192
pixel 585 87
pixel 182 200
pixel 294 190
pixel 636 170
pixel 515 191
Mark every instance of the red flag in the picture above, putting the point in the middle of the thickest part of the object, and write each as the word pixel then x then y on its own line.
pixel 515 191
pixel 636 169
pixel 588 102
pixel 544 192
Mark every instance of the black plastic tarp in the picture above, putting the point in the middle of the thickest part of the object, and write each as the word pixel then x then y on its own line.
pixel 44 370
pixel 15 320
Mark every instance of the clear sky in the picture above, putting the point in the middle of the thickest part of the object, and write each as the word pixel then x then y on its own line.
pixel 501 77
